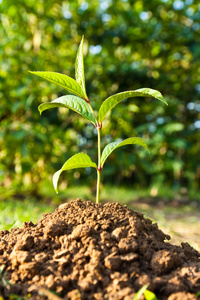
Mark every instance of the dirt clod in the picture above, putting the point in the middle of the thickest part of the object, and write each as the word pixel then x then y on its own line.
pixel 86 251
pixel 163 261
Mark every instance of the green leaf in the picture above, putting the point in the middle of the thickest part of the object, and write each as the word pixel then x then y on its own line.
pixel 173 127
pixel 112 101
pixel 140 292
pixel 149 295
pixel 63 80
pixel 75 103
pixel 112 146
pixel 80 160
pixel 79 68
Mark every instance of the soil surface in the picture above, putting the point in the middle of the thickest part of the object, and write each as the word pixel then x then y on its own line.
pixel 86 251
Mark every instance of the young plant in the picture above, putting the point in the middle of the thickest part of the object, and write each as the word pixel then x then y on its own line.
pixel 80 103
pixel 148 295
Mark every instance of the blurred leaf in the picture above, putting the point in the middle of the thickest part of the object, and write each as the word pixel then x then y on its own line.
pixel 150 295
pixel 173 127
pixel 133 108
pixel 140 292
pixel 179 143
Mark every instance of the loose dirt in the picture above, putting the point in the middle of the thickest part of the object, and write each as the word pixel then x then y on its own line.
pixel 95 251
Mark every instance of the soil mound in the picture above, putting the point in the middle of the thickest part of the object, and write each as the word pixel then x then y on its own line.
pixel 93 251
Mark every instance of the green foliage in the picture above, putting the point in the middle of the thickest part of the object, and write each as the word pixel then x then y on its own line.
pixel 63 80
pixel 114 145
pixel 133 44
pixel 112 101
pixel 77 104
pixel 150 295
pixel 147 294
pixel 79 69
pixel 79 160
pixel 13 213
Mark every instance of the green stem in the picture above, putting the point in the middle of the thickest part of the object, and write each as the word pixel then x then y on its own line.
pixel 99 164
pixel 92 112
pixel 98 127
pixel 98 185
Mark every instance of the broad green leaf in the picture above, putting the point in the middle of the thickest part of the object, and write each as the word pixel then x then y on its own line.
pixel 75 103
pixel 79 68
pixel 63 80
pixel 80 160
pixel 149 295
pixel 112 101
pixel 112 146
pixel 140 292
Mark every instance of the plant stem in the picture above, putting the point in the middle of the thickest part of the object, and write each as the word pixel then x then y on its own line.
pixel 98 127
pixel 92 112
pixel 99 164
pixel 98 185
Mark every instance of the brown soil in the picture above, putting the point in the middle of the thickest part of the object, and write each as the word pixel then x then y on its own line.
pixel 95 251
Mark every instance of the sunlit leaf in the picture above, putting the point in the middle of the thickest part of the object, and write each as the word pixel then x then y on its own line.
pixel 112 146
pixel 75 103
pixel 63 80
pixel 80 160
pixel 79 68
pixel 113 100
pixel 149 295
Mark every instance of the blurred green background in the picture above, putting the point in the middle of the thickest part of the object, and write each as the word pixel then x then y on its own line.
pixel 128 45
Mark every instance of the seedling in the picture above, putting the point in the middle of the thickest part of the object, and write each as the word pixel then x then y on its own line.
pixel 80 103
pixel 148 295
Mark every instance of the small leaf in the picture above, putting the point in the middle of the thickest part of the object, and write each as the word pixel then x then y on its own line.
pixel 75 103
pixel 80 160
pixel 63 80
pixel 112 146
pixel 56 176
pixel 140 292
pixel 79 68
pixel 112 101
pixel 149 295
